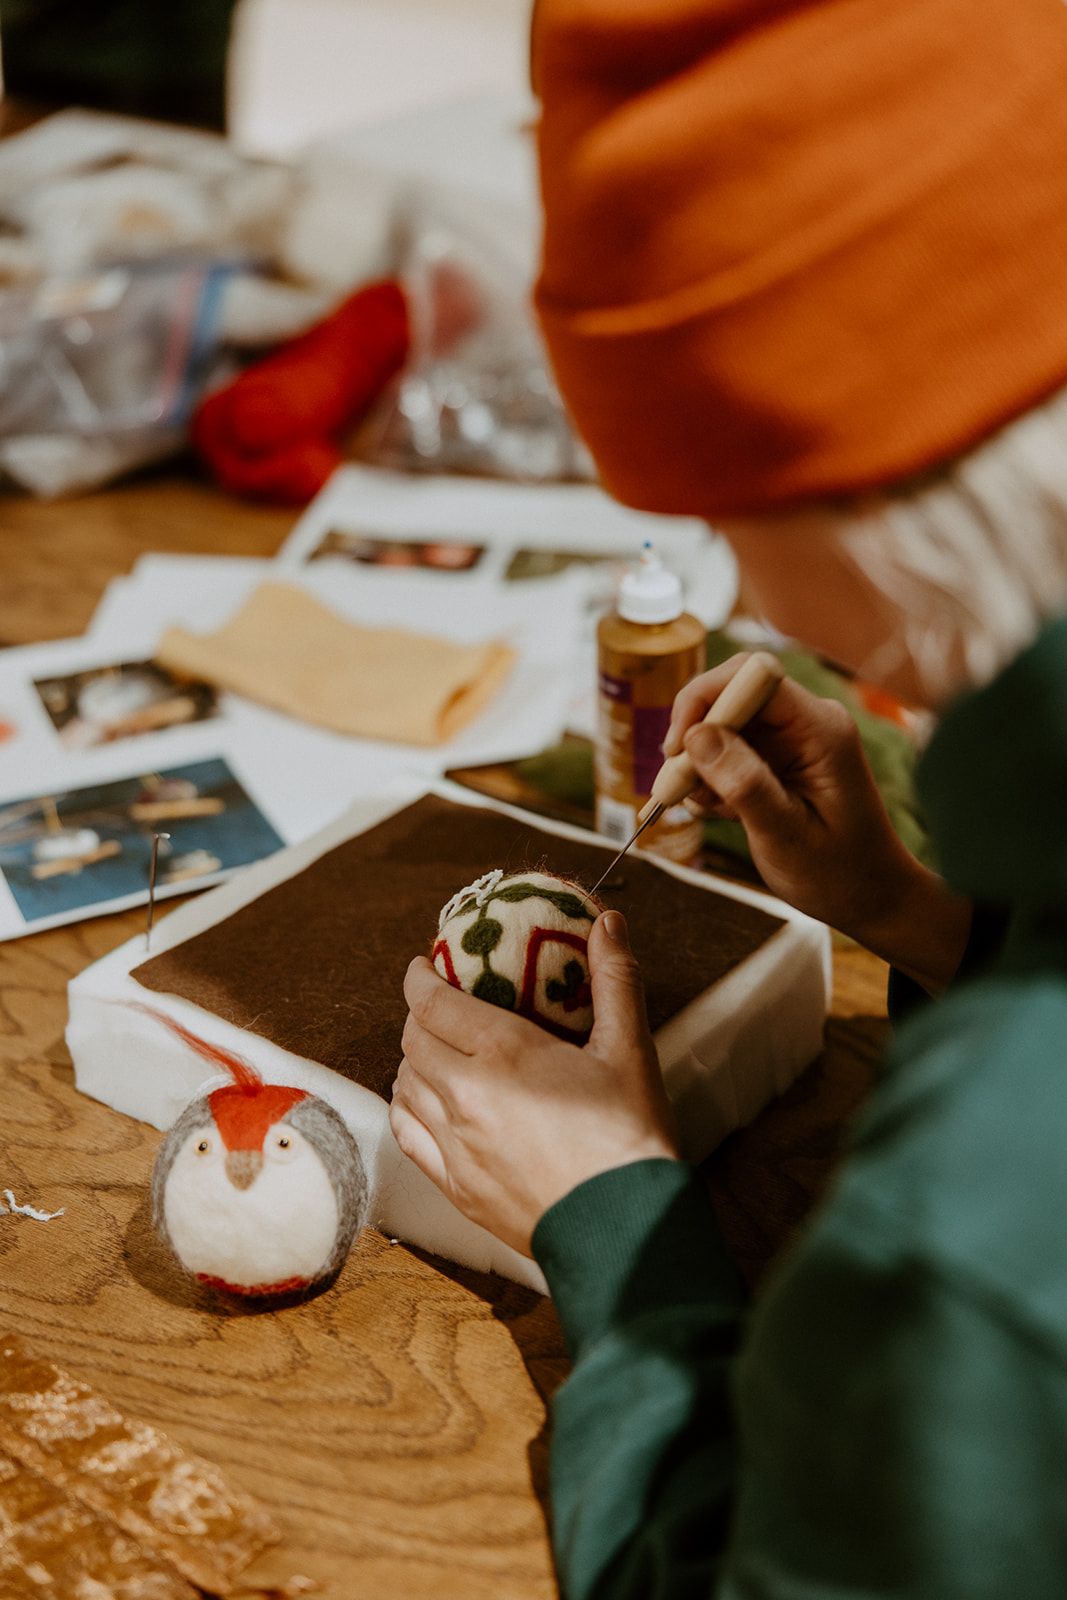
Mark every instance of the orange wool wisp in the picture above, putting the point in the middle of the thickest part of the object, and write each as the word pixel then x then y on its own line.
pixel 244 1075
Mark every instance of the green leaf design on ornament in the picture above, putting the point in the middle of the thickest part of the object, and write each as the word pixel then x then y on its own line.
pixel 568 990
pixel 568 904
pixel 482 936
pixel 494 987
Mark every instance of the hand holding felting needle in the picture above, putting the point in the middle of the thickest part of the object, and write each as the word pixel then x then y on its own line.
pixel 743 698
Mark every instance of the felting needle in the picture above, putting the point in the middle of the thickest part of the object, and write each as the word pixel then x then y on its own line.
pixel 744 696
pixel 152 888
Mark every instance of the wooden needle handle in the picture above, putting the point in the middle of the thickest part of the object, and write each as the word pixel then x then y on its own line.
pixel 744 697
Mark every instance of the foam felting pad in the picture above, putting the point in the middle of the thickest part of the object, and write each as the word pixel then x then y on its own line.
pixel 298 966
pixel 317 964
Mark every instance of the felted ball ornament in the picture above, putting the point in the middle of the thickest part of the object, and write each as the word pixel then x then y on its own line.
pixel 259 1189
pixel 521 942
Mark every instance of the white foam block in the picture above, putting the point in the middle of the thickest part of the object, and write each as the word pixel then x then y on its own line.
pixel 729 1052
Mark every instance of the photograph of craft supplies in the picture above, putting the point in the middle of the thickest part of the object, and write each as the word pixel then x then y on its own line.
pixel 68 855
pixel 369 550
pixel 122 701
pixel 529 532
pixel 85 710
pixel 743 698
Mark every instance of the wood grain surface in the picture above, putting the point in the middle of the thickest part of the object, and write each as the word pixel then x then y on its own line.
pixel 396 1426
pixel 56 557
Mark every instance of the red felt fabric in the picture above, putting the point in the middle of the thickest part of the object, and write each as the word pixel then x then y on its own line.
pixel 273 433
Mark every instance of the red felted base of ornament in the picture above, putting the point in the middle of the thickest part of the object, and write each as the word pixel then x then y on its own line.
pixel 254 1291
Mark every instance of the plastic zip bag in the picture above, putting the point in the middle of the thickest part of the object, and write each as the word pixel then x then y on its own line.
pixel 100 373
pixel 476 395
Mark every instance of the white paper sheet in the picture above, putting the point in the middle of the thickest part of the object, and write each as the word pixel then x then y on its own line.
pixel 542 621
pixel 506 518
pixel 36 756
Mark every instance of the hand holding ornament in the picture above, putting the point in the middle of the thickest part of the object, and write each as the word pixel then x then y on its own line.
pixel 505 1117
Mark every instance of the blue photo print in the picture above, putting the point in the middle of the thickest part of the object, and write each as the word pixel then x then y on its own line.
pixel 81 849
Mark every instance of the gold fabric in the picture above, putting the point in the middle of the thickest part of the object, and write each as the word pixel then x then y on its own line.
pixel 287 650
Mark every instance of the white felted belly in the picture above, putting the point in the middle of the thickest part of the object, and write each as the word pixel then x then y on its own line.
pixel 282 1226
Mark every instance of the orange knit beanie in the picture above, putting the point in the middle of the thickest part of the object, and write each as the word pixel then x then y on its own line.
pixel 797 248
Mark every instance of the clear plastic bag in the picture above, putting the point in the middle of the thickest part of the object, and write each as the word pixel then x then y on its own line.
pixel 476 395
pixel 135 252
pixel 99 373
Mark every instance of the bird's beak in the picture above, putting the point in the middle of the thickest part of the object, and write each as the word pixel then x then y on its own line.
pixel 242 1167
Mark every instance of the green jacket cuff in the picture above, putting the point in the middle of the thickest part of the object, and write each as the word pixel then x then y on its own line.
pixel 637 1239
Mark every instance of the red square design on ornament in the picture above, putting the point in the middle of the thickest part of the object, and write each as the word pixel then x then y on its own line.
pixel 527 1006
pixel 450 974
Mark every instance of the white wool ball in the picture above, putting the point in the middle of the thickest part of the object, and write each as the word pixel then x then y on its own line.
pixel 520 942
pixel 259 1191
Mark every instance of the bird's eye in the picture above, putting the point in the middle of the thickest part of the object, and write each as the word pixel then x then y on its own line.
pixel 203 1147
pixel 281 1147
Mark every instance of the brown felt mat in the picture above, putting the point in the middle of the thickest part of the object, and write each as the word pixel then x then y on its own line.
pixel 317 964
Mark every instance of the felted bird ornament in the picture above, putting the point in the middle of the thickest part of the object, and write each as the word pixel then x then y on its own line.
pixel 258 1188
pixel 520 942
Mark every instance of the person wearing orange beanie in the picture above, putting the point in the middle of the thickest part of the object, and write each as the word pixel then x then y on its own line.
pixel 803 276
pixel 798 250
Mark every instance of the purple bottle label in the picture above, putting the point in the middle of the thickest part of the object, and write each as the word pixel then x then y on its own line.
pixel 650 729
pixel 620 690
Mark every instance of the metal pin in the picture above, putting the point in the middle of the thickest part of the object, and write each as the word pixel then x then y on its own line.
pixel 653 816
pixel 152 888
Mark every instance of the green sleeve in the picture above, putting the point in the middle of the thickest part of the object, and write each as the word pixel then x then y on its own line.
pixel 897 1434
pixel 642 1472
pixel 902 1434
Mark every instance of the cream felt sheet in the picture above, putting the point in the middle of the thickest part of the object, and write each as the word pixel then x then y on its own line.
pixel 287 650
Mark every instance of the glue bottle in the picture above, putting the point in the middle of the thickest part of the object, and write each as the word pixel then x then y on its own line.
pixel 647 649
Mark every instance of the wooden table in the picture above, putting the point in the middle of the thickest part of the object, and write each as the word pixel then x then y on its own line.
pixel 397 1425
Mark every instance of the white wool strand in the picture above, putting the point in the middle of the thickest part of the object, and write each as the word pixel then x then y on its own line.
pixel 474 895
pixel 11 1205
